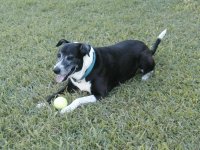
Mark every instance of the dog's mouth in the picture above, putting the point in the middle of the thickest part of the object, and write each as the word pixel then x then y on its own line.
pixel 61 78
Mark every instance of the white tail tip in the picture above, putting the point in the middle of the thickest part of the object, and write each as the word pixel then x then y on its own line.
pixel 162 34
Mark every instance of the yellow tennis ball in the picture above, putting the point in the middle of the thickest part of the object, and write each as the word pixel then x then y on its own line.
pixel 60 102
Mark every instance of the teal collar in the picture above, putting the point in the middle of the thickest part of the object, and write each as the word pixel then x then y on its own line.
pixel 89 69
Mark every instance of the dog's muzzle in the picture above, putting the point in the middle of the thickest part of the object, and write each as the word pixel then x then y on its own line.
pixel 63 75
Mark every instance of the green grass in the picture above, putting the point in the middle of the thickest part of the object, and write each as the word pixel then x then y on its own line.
pixel 162 113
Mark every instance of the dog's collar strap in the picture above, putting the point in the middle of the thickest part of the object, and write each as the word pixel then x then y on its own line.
pixel 88 71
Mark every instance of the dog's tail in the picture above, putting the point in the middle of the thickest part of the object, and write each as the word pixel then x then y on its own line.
pixel 159 38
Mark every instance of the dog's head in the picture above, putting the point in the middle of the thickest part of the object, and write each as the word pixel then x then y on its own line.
pixel 70 59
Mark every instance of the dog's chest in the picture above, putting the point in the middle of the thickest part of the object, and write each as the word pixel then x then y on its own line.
pixel 82 85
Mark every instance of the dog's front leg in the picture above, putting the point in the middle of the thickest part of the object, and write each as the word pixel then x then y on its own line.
pixel 78 102
pixel 50 98
pixel 60 91
pixel 70 88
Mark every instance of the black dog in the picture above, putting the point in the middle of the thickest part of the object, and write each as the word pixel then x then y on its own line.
pixel 98 70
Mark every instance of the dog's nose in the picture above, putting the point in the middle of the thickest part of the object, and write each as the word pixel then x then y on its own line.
pixel 56 70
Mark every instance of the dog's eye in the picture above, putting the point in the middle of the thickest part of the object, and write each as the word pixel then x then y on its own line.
pixel 58 55
pixel 70 57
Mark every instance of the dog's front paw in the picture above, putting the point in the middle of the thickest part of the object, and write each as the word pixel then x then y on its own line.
pixel 66 110
pixel 40 105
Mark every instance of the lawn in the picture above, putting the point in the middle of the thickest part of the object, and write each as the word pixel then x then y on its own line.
pixel 162 113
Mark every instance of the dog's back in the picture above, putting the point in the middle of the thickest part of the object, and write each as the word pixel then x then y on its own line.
pixel 121 61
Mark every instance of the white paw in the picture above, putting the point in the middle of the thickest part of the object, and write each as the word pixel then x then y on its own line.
pixel 78 102
pixel 66 110
pixel 144 78
pixel 40 105
pixel 147 76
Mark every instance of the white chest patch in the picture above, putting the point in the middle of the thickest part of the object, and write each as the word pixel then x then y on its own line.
pixel 82 85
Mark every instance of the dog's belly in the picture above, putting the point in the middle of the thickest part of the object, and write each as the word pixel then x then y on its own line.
pixel 82 85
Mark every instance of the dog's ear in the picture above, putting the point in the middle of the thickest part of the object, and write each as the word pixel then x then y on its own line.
pixel 85 49
pixel 61 42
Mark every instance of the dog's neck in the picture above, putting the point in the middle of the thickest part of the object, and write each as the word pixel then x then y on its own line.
pixel 88 64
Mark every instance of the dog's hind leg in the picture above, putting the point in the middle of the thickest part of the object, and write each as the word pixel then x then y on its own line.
pixel 147 66
pixel 147 75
